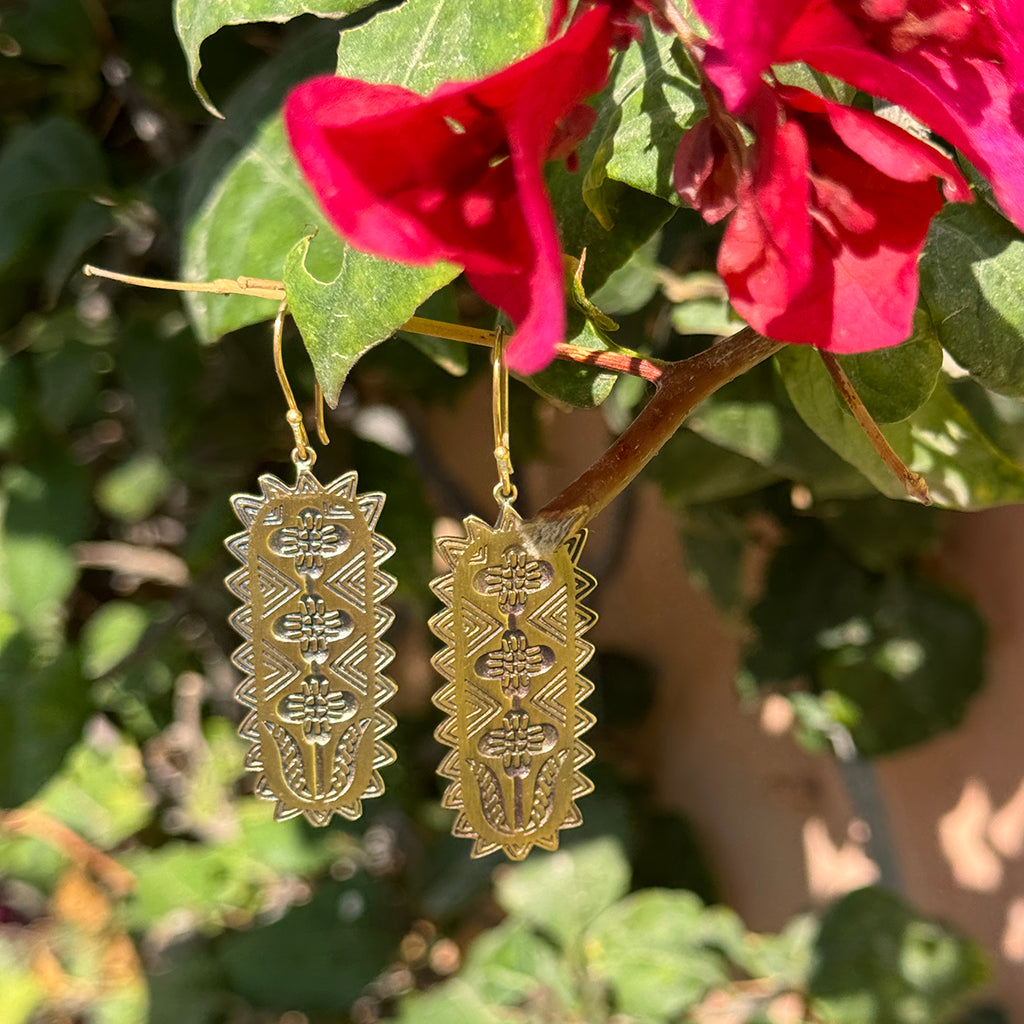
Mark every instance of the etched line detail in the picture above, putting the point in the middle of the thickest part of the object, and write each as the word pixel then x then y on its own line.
pixel 512 693
pixel 315 657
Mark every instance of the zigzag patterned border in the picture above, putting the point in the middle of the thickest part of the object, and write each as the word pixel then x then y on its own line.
pixel 443 625
pixel 249 508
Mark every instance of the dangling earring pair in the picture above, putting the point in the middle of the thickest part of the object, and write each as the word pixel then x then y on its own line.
pixel 312 621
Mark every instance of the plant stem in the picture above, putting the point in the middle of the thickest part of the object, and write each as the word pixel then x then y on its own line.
pixel 913 482
pixel 681 387
pixel 611 362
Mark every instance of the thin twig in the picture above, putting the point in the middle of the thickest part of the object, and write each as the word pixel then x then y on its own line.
pixel 610 362
pixel 914 483
pixel 253 286
pixel 681 387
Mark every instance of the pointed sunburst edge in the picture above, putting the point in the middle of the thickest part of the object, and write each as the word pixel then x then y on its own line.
pixel 247 507
pixel 441 625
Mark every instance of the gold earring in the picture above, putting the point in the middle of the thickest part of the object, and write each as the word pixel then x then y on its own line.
pixel 512 627
pixel 312 622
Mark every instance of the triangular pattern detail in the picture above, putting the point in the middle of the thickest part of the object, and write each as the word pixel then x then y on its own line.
pixel 247 507
pixel 278 671
pixel 552 617
pixel 244 659
pixel 547 698
pixel 275 588
pixel 481 708
pixel 349 665
pixel 345 486
pixel 238 545
pixel 272 487
pixel 478 628
pixel 370 504
pixel 349 582
pixel 241 619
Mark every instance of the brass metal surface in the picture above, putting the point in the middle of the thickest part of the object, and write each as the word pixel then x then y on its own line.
pixel 312 622
pixel 514 651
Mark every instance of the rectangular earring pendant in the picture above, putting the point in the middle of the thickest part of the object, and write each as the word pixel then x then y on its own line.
pixel 312 621
pixel 513 628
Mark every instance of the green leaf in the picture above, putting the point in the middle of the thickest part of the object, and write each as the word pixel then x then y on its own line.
pixel 716 544
pixel 100 791
pixel 972 284
pixel 634 284
pixel 573 383
pixel 748 417
pixel 318 957
pixel 48 169
pixel 254 216
pixel 940 440
pixel 879 962
pixel 893 383
pixel 880 534
pixel 45 706
pixel 653 97
pixel 911 672
pixel 692 471
pixel 511 965
pixel 652 949
pixel 588 878
pixel 423 43
pixel 46 512
pixel 453 1003
pixel 713 316
pixel 246 205
pixel 197 20
pixel 365 303
pixel 419 45
pixel 134 490
pixel 639 216
pixel 111 634
pixel 897 657
pixel 21 991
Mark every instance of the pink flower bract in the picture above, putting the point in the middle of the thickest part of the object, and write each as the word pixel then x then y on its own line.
pixel 957 67
pixel 457 175
pixel 823 246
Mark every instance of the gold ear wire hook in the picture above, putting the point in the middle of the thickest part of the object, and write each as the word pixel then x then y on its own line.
pixel 302 454
pixel 505 492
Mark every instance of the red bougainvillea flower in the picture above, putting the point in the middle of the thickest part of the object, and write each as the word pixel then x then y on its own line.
pixel 822 247
pixel 957 67
pixel 457 175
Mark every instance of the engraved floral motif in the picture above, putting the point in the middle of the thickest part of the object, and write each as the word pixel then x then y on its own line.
pixel 314 627
pixel 514 579
pixel 514 663
pixel 310 542
pixel 317 708
pixel 517 741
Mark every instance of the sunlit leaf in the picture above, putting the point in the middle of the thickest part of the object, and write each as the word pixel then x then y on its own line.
pixel 418 45
pixel 972 284
pixel 134 490
pixel 940 440
pixel 588 878
pixel 652 949
pixel 197 20
pixel 111 634
pixel 653 96
pixel 100 791
pixel 342 319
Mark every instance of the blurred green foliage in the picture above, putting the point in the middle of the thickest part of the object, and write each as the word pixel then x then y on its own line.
pixel 139 879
